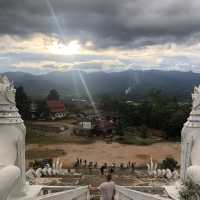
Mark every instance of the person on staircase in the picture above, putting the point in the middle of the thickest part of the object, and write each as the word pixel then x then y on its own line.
pixel 107 188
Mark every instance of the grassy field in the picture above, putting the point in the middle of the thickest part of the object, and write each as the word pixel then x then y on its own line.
pixel 136 140
pixel 134 146
pixel 44 153
pixel 40 137
pixel 140 136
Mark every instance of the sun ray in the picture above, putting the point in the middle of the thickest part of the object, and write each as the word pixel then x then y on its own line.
pixel 72 48
pixel 89 94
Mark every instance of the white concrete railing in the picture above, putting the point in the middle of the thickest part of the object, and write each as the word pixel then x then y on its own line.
pixel 80 193
pixel 53 189
pixel 123 193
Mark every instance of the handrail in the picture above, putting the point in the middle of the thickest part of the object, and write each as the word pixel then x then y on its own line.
pixel 67 195
pixel 82 193
pixel 134 195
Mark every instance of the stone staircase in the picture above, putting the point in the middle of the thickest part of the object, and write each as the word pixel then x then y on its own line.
pixel 82 193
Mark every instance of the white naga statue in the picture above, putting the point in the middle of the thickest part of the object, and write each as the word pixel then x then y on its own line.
pixel 190 152
pixel 12 144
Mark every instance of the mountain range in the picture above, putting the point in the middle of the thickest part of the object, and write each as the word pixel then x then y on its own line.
pixel 135 84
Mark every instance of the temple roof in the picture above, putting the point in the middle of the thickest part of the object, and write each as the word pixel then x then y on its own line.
pixel 55 106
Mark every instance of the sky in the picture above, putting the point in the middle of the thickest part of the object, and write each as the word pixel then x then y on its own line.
pixel 41 36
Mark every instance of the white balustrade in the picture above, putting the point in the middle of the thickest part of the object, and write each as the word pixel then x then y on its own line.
pixel 123 193
pixel 80 193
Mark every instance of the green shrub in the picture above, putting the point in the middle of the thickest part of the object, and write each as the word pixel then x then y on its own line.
pixel 169 163
pixel 190 191
pixel 135 140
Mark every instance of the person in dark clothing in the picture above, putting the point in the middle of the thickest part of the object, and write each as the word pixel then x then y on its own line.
pixel 111 170
pixel 85 162
pixel 102 169
pixel 133 166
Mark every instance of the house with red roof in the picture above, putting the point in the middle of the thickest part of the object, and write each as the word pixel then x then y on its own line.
pixel 56 109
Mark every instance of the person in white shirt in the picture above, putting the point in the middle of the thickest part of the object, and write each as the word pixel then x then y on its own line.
pixel 107 188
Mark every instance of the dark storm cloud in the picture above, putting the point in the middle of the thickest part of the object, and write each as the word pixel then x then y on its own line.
pixel 124 23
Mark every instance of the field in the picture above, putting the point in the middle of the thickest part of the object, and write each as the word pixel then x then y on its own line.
pixel 102 152
pixel 45 142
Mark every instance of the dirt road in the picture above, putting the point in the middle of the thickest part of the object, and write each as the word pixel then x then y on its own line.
pixel 113 153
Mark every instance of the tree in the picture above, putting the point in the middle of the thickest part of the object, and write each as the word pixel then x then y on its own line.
pixel 53 95
pixel 156 111
pixel 23 103
pixel 175 123
pixel 42 110
pixel 190 191
pixel 169 163
pixel 144 131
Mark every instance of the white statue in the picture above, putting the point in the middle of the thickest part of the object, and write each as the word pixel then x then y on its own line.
pixel 54 164
pixel 60 165
pixel 159 172
pixel 151 167
pixel 60 168
pixel 196 98
pixel 168 174
pixel 54 172
pixel 45 171
pixel 175 175
pixel 57 167
pixel 163 173
pixel 9 175
pixel 39 172
pixel 50 171
pixel 12 143
pixel 12 150
pixel 31 175
pixel 190 159
pixel 154 173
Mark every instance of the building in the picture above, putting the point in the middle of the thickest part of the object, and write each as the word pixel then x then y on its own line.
pixel 33 110
pixel 56 109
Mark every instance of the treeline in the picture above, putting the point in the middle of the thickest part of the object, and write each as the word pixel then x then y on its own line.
pixel 157 111
pixel 24 103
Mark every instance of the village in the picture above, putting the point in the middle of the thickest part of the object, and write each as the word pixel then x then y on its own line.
pixel 73 145
pixel 87 145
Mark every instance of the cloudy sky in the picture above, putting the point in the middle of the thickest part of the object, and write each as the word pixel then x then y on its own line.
pixel 40 36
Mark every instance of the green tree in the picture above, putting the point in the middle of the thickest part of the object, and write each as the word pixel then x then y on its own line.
pixel 190 191
pixel 42 110
pixel 23 103
pixel 175 123
pixel 144 131
pixel 157 111
pixel 53 95
pixel 169 163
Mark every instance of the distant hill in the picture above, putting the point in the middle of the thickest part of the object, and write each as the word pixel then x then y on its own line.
pixel 135 83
